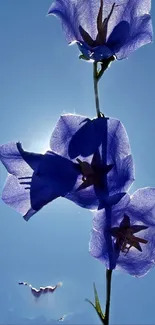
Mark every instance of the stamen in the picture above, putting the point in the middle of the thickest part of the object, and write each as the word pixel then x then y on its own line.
pixel 93 173
pixel 86 168
pixel 125 238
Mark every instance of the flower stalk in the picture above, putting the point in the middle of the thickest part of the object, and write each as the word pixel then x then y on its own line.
pixel 95 77
pixel 108 296
pixel 97 74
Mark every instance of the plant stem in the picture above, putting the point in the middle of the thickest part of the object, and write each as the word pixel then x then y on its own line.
pixel 95 77
pixel 108 296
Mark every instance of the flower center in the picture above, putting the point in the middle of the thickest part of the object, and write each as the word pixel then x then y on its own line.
pixel 89 175
pixel 102 27
pixel 124 236
pixel 93 174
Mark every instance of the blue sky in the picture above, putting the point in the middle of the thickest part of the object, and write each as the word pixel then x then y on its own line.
pixel 41 77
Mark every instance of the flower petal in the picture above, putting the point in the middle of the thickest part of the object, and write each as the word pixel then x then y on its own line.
pixel 15 195
pixel 142 206
pixel 119 36
pixel 126 10
pixel 139 263
pixel 55 177
pixel 77 136
pixel 15 159
pixel 100 245
pixel 28 190
pixel 141 211
pixel 140 34
pixel 64 130
pixel 121 176
pixel 74 14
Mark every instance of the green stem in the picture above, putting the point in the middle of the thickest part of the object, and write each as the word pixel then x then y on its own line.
pixel 95 77
pixel 108 296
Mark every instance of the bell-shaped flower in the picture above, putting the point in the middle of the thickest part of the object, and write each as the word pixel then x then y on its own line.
pixel 123 235
pixel 100 149
pixel 90 164
pixel 105 29
pixel 34 179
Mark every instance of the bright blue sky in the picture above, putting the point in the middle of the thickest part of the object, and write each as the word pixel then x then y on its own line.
pixel 41 78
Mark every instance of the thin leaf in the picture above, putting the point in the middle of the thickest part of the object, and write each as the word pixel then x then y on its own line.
pixel 97 303
pixel 97 306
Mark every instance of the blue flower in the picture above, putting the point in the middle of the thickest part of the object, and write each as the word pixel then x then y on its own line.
pixel 104 29
pixel 34 179
pixel 89 163
pixel 100 148
pixel 123 235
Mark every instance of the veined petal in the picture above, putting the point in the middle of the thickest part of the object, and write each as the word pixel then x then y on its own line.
pixel 27 190
pixel 122 175
pixel 139 263
pixel 17 161
pixel 17 197
pixel 140 209
pixel 119 36
pixel 55 177
pixel 141 33
pixel 120 29
pixel 79 137
pixel 76 135
pixel 74 14
pixel 65 128
pixel 14 194
pixel 101 245
pixel 142 206
pixel 117 211
pixel 58 173
pixel 126 10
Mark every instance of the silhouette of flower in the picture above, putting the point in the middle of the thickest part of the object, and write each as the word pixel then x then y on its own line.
pixel 105 29
pixel 100 149
pixel 123 235
pixel 89 163
pixel 34 179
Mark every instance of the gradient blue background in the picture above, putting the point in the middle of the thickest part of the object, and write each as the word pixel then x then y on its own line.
pixel 41 77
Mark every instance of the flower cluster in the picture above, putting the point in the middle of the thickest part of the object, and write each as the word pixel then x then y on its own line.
pixel 90 161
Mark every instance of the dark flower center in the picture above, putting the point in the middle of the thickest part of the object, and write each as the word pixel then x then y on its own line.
pixel 124 235
pixel 92 174
pixel 102 27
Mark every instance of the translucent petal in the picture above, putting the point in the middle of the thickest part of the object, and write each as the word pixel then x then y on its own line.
pixel 129 26
pixel 101 245
pixel 79 137
pixel 126 10
pixel 140 34
pixel 16 160
pixel 139 263
pixel 141 211
pixel 142 206
pixel 27 190
pixel 75 13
